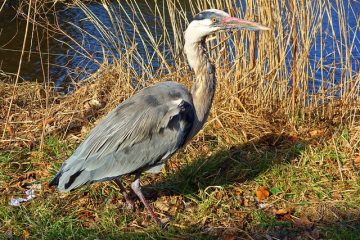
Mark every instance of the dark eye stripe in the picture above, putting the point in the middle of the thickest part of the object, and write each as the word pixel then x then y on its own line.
pixel 205 15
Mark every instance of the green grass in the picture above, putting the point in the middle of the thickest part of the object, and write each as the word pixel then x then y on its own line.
pixel 203 198
pixel 350 231
pixel 209 189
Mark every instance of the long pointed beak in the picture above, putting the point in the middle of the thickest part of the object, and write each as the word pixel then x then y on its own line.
pixel 237 23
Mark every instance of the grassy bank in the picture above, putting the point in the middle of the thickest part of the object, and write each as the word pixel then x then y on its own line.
pixel 216 187
pixel 277 158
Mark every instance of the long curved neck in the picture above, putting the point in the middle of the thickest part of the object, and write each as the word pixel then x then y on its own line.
pixel 203 89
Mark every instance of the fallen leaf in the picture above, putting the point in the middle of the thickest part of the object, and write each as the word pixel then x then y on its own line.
pixel 336 195
pixel 283 214
pixel 47 121
pixel 87 217
pixel 161 206
pixel 238 214
pixel 303 222
pixel 25 234
pixel 229 237
pixel 246 202
pixel 205 149
pixel 10 131
pixel 238 191
pixel 262 193
pixel 294 138
pixel 357 160
pixel 317 133
pixel 229 234
pixel 217 124
pixel 30 175
pixel 219 195
pixel 281 211
pixel 83 201
pixel 45 186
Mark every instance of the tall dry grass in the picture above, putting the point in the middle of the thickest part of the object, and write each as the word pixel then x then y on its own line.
pixel 259 74
pixel 271 70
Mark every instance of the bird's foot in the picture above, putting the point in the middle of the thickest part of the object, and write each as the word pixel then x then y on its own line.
pixel 164 225
pixel 129 203
pixel 161 224
pixel 135 186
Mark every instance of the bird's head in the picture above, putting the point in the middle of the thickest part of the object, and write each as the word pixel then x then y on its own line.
pixel 214 20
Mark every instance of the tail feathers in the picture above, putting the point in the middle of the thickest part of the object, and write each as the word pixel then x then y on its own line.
pixel 68 180
pixel 55 181
pixel 74 181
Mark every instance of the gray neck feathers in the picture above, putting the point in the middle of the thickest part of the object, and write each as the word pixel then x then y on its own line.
pixel 203 89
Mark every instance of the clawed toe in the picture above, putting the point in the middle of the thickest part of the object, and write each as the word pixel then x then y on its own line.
pixel 129 204
pixel 164 225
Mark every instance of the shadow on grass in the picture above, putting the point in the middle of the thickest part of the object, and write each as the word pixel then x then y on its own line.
pixel 235 165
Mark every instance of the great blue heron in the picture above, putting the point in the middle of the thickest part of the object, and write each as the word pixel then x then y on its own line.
pixel 142 132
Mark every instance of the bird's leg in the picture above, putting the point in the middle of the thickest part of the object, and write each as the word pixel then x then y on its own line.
pixel 136 187
pixel 129 202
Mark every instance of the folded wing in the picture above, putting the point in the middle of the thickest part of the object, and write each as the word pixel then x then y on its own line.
pixel 138 135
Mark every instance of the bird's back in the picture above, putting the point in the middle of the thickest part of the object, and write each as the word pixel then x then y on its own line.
pixel 138 135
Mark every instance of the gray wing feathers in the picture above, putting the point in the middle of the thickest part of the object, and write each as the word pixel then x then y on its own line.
pixel 139 134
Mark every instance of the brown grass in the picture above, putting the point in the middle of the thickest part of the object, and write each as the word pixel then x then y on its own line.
pixel 259 123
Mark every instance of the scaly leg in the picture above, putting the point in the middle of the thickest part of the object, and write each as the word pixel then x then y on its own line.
pixel 137 189
pixel 129 202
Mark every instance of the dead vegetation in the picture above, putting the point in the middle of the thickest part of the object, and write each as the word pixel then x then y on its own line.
pixel 274 160
pixel 250 173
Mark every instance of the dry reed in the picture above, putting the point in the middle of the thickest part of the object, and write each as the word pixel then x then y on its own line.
pixel 270 124
pixel 254 70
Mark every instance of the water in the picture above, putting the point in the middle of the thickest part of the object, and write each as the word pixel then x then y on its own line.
pixel 64 61
pixel 331 51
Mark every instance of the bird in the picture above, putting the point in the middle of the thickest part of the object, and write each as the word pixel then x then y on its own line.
pixel 145 130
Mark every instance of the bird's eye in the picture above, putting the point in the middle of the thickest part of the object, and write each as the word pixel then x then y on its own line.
pixel 213 20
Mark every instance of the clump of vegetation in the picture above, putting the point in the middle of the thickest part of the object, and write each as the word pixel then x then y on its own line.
pixel 279 156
